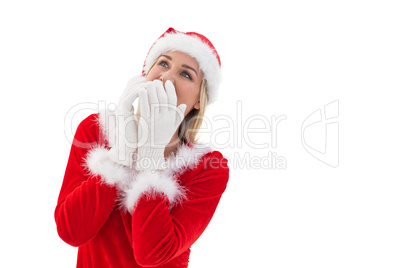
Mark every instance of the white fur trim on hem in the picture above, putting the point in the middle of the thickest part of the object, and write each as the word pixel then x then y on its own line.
pixel 98 162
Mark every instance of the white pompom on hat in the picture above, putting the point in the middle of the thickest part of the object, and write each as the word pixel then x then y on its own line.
pixel 194 45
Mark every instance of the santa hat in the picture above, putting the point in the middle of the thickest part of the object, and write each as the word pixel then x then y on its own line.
pixel 194 45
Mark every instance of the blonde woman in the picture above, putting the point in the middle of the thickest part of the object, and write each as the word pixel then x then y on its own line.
pixel 138 189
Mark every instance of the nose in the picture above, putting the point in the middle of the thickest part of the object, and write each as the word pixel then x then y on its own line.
pixel 166 76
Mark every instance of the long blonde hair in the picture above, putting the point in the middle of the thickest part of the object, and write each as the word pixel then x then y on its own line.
pixel 192 123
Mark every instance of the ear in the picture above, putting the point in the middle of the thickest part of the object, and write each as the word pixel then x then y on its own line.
pixel 197 105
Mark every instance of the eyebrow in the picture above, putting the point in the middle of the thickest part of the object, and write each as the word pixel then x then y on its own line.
pixel 170 58
pixel 184 65
pixel 188 67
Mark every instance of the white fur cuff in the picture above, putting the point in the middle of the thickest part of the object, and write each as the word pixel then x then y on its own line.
pixel 98 162
pixel 148 183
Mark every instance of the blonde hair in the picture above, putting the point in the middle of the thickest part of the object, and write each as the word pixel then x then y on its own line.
pixel 192 123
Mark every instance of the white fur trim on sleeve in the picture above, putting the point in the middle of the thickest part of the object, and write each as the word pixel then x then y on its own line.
pixel 98 162
pixel 150 183
pixel 107 123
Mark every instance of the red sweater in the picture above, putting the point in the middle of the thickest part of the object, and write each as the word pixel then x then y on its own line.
pixel 121 218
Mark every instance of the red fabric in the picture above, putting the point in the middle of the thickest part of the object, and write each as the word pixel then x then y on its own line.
pixel 87 215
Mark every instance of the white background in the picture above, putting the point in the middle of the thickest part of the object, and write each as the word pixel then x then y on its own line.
pixel 278 58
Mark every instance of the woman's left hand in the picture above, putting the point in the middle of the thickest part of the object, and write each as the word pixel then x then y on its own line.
pixel 160 118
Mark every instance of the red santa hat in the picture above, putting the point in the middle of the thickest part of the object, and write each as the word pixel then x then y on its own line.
pixel 194 45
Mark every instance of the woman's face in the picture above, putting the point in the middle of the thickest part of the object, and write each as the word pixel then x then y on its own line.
pixel 185 75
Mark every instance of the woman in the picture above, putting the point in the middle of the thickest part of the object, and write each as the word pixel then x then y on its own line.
pixel 138 190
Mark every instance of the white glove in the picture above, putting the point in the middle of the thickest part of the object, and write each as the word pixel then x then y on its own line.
pixel 126 123
pixel 159 120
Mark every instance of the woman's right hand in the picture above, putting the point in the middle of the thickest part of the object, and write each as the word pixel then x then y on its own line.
pixel 126 123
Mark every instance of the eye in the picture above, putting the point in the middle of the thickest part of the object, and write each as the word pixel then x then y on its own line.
pixel 186 75
pixel 164 64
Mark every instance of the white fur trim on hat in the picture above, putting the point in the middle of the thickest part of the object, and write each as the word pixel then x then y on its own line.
pixel 194 47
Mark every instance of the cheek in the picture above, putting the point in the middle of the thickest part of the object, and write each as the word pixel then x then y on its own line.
pixel 150 77
pixel 187 94
pixel 152 74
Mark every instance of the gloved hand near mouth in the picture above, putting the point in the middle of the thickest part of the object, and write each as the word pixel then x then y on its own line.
pixel 160 118
pixel 127 123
